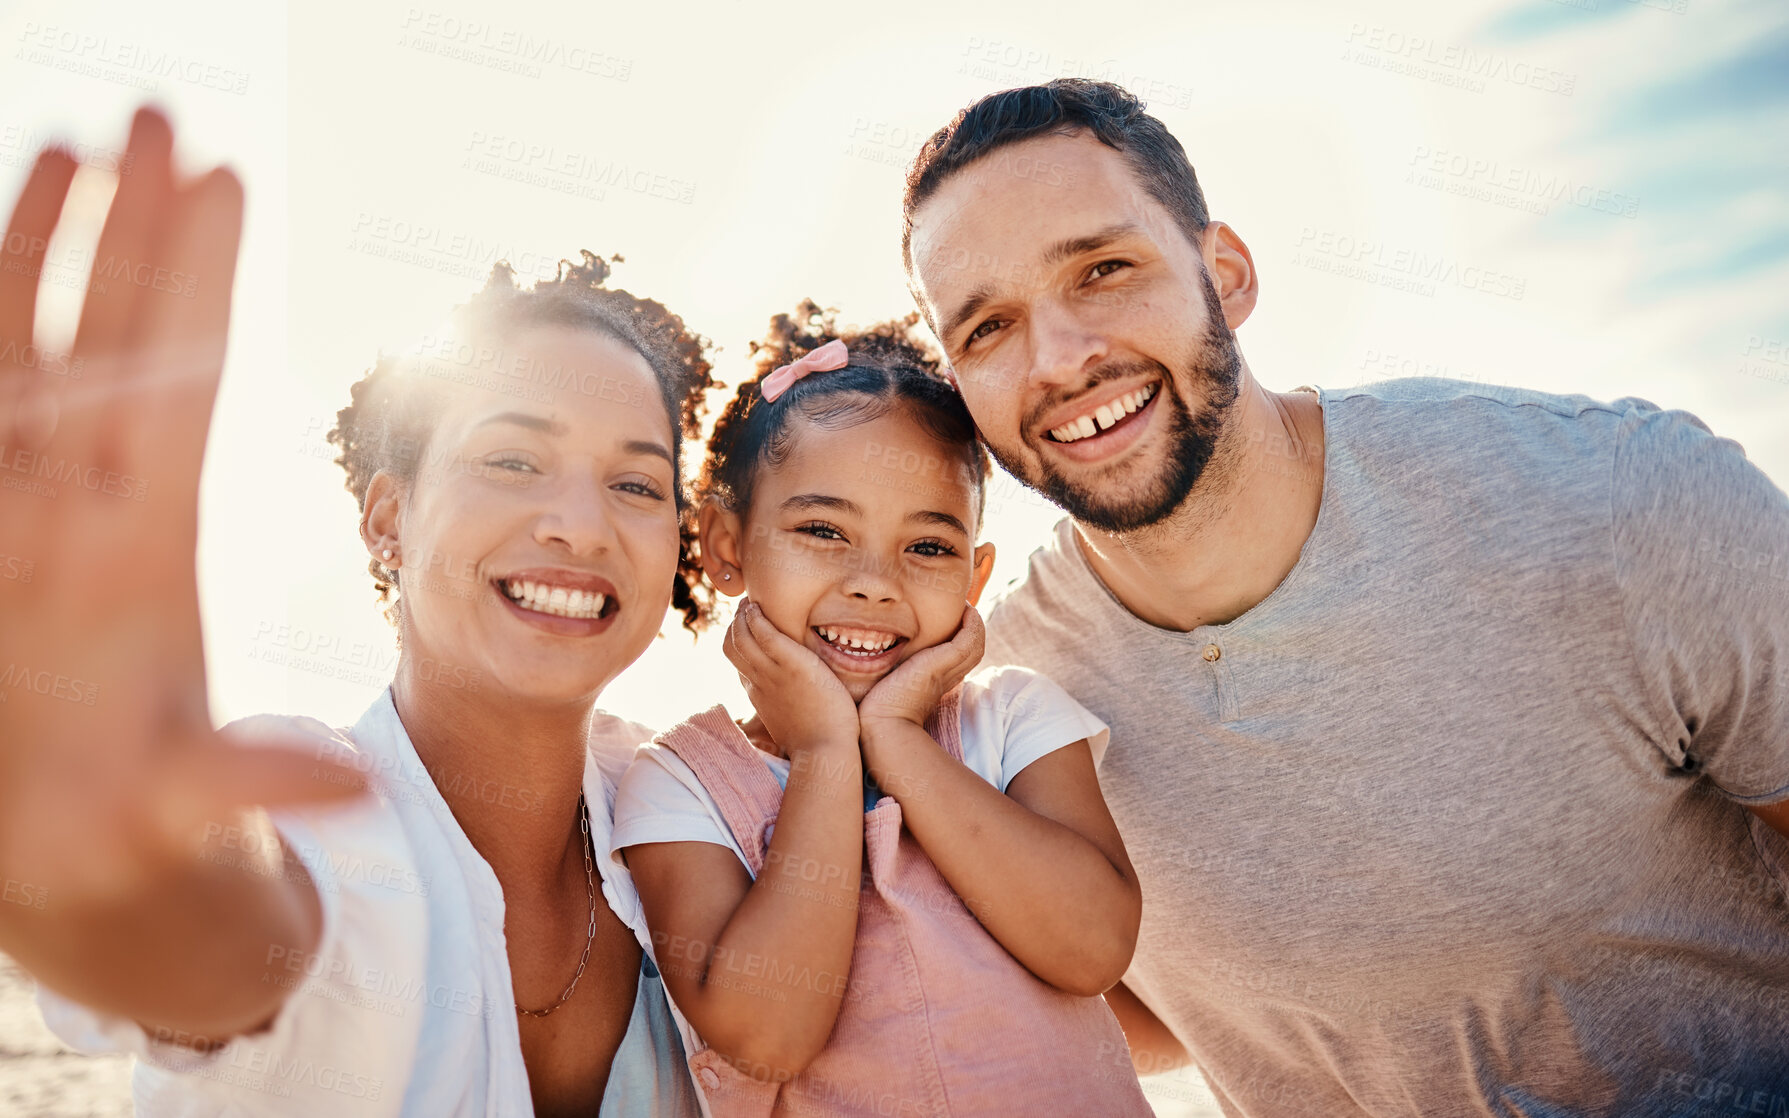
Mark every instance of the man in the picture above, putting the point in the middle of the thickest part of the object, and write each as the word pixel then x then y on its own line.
pixel 1450 725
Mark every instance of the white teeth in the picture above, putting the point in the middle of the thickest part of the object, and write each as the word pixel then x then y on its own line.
pixel 856 645
pixel 1102 417
pixel 560 601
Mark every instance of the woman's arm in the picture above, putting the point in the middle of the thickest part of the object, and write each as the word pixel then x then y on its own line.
pixel 115 792
pixel 760 967
pixel 195 950
pixel 1042 866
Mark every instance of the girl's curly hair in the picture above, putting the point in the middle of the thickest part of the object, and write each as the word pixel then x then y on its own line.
pixel 891 365
pixel 388 423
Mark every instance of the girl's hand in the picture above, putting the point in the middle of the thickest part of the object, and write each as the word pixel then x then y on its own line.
pixel 801 703
pixel 109 767
pixel 912 691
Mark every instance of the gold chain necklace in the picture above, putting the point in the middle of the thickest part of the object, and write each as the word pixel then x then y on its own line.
pixel 590 883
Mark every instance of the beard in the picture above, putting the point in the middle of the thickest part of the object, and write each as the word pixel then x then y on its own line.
pixel 1115 500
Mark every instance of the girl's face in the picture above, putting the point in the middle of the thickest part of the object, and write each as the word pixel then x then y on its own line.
pixel 537 547
pixel 859 544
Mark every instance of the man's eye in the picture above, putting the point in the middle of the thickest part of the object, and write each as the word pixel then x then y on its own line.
pixel 1106 268
pixel 983 331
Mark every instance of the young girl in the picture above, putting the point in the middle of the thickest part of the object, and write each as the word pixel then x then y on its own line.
pixel 892 890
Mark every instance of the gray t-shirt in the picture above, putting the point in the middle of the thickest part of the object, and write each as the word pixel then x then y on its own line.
pixel 1451 823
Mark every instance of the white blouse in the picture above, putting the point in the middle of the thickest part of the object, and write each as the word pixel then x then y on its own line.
pixel 405 1008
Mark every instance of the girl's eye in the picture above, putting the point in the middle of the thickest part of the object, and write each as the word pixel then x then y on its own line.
pixel 932 549
pixel 821 531
pixel 643 488
pixel 1106 268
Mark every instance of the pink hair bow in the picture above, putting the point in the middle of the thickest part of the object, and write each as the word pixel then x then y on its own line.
pixel 830 356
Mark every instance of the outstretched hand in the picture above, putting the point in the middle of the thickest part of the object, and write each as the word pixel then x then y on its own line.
pixel 108 761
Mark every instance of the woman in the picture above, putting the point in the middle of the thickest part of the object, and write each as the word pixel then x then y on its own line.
pixel 428 924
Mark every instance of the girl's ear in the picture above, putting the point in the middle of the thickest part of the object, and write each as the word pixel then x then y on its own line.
pixel 381 519
pixel 984 569
pixel 720 533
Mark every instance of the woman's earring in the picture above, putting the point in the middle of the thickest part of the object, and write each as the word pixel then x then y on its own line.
pixel 727 575
pixel 387 554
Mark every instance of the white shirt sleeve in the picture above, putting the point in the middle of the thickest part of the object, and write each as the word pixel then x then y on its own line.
pixel 660 800
pixel 1011 716
pixel 334 1046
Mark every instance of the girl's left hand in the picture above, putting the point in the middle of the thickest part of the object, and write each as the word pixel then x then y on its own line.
pixel 913 690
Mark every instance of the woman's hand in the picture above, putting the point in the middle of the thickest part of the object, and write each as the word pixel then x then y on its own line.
pixel 913 690
pixel 109 767
pixel 801 703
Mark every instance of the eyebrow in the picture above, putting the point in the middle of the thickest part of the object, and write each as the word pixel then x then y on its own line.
pixel 523 419
pixel 981 294
pixel 933 516
pixel 647 446
pixel 821 501
pixel 1075 246
pixel 839 504
pixel 556 428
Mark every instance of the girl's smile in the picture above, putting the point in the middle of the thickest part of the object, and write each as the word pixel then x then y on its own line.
pixel 858 649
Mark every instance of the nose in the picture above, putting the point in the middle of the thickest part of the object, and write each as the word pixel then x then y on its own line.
pixel 869 580
pixel 1063 347
pixel 576 517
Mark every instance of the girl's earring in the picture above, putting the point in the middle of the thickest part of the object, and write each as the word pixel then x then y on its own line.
pixel 728 575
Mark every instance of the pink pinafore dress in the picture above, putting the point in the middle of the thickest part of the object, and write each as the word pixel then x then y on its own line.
pixel 937 1018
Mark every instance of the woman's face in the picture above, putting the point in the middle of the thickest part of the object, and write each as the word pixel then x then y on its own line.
pixel 539 541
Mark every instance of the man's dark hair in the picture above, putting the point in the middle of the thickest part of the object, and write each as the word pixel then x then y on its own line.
pixel 1061 107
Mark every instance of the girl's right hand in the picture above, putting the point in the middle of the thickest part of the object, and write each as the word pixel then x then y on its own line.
pixel 801 703
pixel 110 770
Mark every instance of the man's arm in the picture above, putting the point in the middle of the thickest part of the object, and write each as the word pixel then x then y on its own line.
pixel 1701 548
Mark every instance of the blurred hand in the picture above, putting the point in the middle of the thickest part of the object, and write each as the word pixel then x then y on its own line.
pixel 801 703
pixel 109 766
pixel 913 690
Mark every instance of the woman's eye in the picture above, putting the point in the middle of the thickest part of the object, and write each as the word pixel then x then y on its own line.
pixel 643 488
pixel 512 464
pixel 821 531
pixel 931 549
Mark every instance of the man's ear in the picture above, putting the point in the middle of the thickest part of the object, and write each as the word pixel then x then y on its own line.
pixel 381 519
pixel 1232 270
pixel 984 569
pixel 721 535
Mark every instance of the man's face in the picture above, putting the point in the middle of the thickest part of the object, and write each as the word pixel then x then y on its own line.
pixel 1083 327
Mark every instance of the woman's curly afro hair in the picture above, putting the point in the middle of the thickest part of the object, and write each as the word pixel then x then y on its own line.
pixel 393 410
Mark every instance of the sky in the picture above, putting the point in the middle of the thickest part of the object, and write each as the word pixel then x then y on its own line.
pixel 1605 181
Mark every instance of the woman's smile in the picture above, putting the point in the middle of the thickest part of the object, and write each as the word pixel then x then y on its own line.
pixel 560 601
